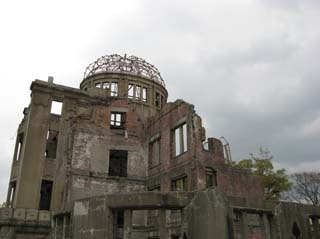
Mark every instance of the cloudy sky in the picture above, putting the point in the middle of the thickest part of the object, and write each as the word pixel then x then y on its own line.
pixel 250 67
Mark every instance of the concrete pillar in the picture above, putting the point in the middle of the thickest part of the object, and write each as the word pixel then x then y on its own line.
pixel 316 227
pixel 109 223
pixel 162 224
pixel 127 227
pixel 266 225
pixel 244 225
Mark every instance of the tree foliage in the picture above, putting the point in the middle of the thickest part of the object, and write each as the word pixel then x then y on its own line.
pixel 306 188
pixel 2 204
pixel 274 181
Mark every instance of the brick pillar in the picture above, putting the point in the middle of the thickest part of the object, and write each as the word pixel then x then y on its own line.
pixel 127 227
pixel 162 224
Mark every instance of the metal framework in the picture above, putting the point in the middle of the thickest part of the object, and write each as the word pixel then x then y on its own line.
pixel 131 64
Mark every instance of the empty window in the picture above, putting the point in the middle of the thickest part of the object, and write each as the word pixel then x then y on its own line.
pixel 105 85
pixel 154 153
pixel 157 100
pixel 18 148
pixel 56 108
pixel 130 91
pixel 180 139
pixel 12 192
pixel 118 120
pixel 45 195
pixel 118 163
pixel 114 89
pixel 236 216
pixel 179 184
pixel 98 85
pixel 138 92
pixel 211 178
pixel 52 142
pixel 144 94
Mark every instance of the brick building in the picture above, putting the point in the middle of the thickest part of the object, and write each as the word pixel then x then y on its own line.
pixel 113 159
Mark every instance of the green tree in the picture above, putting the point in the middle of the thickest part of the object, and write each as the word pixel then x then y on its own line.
pixel 2 204
pixel 274 181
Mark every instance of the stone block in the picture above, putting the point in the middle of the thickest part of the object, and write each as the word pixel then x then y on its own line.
pixel 31 215
pixel 44 216
pixel 6 213
pixel 19 214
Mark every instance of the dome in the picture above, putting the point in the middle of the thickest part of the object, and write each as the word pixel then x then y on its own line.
pixel 121 64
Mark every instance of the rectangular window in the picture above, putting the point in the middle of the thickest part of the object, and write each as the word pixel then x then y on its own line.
pixel 144 94
pixel 114 89
pixel 138 92
pixel 98 85
pixel 157 100
pixel 118 120
pixel 52 142
pixel 130 91
pixel 105 85
pixel 118 163
pixel 211 178
pixel 154 153
pixel 18 148
pixel 180 139
pixel 56 107
pixel 12 192
pixel 45 195
pixel 179 184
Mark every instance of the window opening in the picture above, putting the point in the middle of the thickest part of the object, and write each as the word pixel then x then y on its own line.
pixel 105 85
pixel 180 139
pixel 56 108
pixel 130 91
pixel 154 152
pixel 18 149
pixel 12 193
pixel 157 101
pixel 98 85
pixel 162 100
pixel 144 94
pixel 211 178
pixel 236 216
pixel 118 163
pixel 118 120
pixel 179 184
pixel 114 89
pixel 138 92
pixel 45 195
pixel 295 230
pixel 52 143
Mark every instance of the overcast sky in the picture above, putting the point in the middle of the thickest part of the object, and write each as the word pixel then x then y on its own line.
pixel 250 67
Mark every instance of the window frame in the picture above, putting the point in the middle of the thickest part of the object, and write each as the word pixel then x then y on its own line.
pixel 174 185
pixel 180 136
pixel 113 120
pixel 123 171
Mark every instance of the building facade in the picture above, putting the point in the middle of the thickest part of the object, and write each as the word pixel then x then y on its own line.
pixel 113 159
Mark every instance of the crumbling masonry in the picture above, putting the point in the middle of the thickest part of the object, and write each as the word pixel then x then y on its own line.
pixel 115 160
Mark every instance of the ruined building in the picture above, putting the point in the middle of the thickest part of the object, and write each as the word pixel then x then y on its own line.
pixel 114 160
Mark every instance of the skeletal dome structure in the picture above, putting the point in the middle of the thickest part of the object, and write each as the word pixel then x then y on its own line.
pixel 123 76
